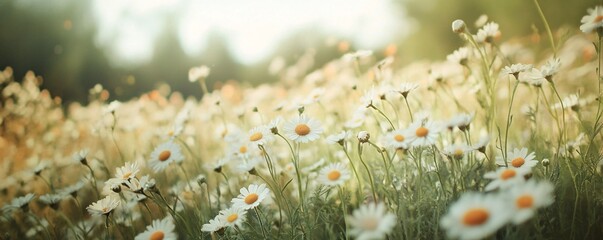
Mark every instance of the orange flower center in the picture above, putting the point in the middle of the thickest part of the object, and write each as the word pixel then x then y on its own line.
pixel 525 201
pixel 233 217
pixel 105 210
pixel 370 224
pixel 506 174
pixel 157 235
pixel 598 19
pixel 421 132
pixel 251 198
pixel 475 216
pixel 302 129
pixel 127 175
pixel 243 149
pixel 165 155
pixel 256 136
pixel 334 175
pixel 399 138
pixel 518 162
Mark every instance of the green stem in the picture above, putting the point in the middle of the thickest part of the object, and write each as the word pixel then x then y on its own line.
pixel 509 124
pixel 385 116
pixel 368 171
pixel 547 27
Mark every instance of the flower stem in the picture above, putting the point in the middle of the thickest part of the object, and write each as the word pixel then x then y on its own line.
pixel 547 27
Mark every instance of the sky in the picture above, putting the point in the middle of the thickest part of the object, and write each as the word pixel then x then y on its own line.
pixel 128 30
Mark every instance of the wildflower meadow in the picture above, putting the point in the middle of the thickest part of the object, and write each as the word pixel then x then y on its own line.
pixel 497 140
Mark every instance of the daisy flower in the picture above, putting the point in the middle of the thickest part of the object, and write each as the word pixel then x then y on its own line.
pixel 369 98
pixel 232 217
pixel 80 156
pixel 457 151
pixel 488 32
pixel 518 158
pixel 515 69
pixel 73 189
pixel 423 134
pixel 481 144
pixel 259 135
pixel 337 138
pixel 250 197
pixel 134 185
pixel 196 73
pixel 505 177
pixel 273 125
pixel 147 182
pixel 475 216
pixel 165 154
pixel 214 225
pixel 22 202
pixel 460 56
pixel 303 129
pixel 534 77
pixel 462 121
pixel 159 230
pixel 593 20
pixel 128 171
pixel 396 140
pixel 527 198
pixel 104 206
pixel 406 87
pixel 52 200
pixel 371 221
pixel 550 68
pixel 334 174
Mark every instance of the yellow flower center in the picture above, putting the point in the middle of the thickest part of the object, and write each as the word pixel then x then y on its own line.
pixel 157 235
pixel 506 174
pixel 475 216
pixel 105 210
pixel 243 149
pixel 256 136
pixel 251 198
pixel 233 217
pixel 302 129
pixel 370 224
pixel 334 175
pixel 598 19
pixel 399 138
pixel 525 201
pixel 126 175
pixel 458 153
pixel 165 155
pixel 518 162
pixel 421 132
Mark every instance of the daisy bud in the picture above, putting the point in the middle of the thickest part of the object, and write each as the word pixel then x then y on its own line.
pixel 274 130
pixel 546 162
pixel 201 179
pixel 150 185
pixel 458 26
pixel 253 172
pixel 301 110
pixel 116 188
pixel 363 136
pixel 218 169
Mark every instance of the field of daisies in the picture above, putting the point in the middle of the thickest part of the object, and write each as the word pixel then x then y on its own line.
pixel 498 140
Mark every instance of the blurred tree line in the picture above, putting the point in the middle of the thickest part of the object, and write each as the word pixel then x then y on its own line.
pixel 58 44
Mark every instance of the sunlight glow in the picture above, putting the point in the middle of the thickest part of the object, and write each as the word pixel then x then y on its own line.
pixel 130 29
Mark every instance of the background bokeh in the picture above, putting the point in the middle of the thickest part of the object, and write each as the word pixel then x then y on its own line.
pixel 74 44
